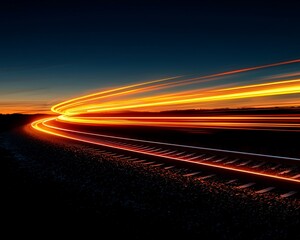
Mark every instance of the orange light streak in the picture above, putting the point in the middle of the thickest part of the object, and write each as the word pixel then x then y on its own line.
pixel 238 122
pixel 66 107
pixel 194 100
pixel 56 107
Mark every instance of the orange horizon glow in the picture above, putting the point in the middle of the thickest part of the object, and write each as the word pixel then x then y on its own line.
pixel 24 110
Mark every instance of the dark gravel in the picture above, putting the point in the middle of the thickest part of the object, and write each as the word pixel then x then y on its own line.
pixel 55 185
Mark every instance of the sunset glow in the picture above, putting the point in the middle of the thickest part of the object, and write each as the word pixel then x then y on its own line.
pixel 146 119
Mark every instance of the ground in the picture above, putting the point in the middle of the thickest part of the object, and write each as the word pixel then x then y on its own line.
pixel 53 184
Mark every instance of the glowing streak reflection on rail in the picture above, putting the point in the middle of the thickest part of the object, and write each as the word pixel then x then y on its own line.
pixel 46 128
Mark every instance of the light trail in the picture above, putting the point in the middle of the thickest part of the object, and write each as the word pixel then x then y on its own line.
pixel 175 93
pixel 41 125
pixel 44 123
pixel 277 123
pixel 109 93
pixel 261 91
pixel 88 103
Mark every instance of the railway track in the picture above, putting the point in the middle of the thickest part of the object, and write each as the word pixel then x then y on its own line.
pixel 257 172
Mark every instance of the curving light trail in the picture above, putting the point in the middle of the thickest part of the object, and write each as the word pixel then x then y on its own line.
pixel 97 139
pixel 275 123
pixel 135 96
pixel 173 93
pixel 194 98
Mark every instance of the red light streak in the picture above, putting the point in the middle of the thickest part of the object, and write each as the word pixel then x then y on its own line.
pixel 41 125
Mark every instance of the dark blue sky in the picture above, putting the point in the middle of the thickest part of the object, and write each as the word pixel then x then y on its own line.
pixel 52 50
